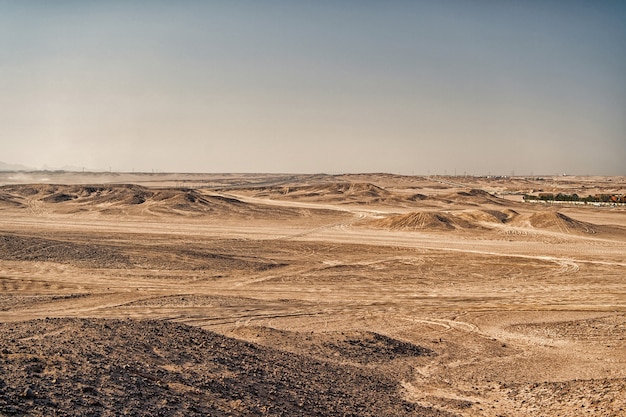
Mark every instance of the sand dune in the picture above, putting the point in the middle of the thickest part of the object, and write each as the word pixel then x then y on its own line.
pixel 368 193
pixel 444 220
pixel 130 199
pixel 416 221
pixel 361 193
pixel 324 190
pixel 475 218
pixel 555 221
pixel 474 197
pixel 108 197
pixel 470 219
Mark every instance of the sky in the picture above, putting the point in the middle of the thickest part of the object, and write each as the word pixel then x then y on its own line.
pixel 407 87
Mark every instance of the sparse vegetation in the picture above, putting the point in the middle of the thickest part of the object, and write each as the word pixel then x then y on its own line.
pixel 598 198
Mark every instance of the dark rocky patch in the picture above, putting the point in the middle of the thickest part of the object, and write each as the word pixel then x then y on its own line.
pixel 96 367
pixel 37 249
pixel 374 347
pixel 59 198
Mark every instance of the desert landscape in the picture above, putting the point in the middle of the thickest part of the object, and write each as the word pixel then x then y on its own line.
pixel 310 295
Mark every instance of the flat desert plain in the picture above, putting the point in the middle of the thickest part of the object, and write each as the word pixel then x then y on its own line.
pixel 309 295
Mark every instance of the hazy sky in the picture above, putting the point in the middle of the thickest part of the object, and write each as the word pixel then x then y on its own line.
pixel 420 87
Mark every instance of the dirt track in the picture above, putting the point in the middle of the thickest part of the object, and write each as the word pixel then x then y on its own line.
pixel 458 300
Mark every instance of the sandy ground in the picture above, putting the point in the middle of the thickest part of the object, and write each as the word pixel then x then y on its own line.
pixel 448 294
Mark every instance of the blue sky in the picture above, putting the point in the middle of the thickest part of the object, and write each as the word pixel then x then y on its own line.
pixel 405 87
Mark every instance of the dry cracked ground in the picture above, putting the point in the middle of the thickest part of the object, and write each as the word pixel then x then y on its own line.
pixel 309 295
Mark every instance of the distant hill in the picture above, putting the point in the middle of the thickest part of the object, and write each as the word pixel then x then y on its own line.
pixel 13 167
